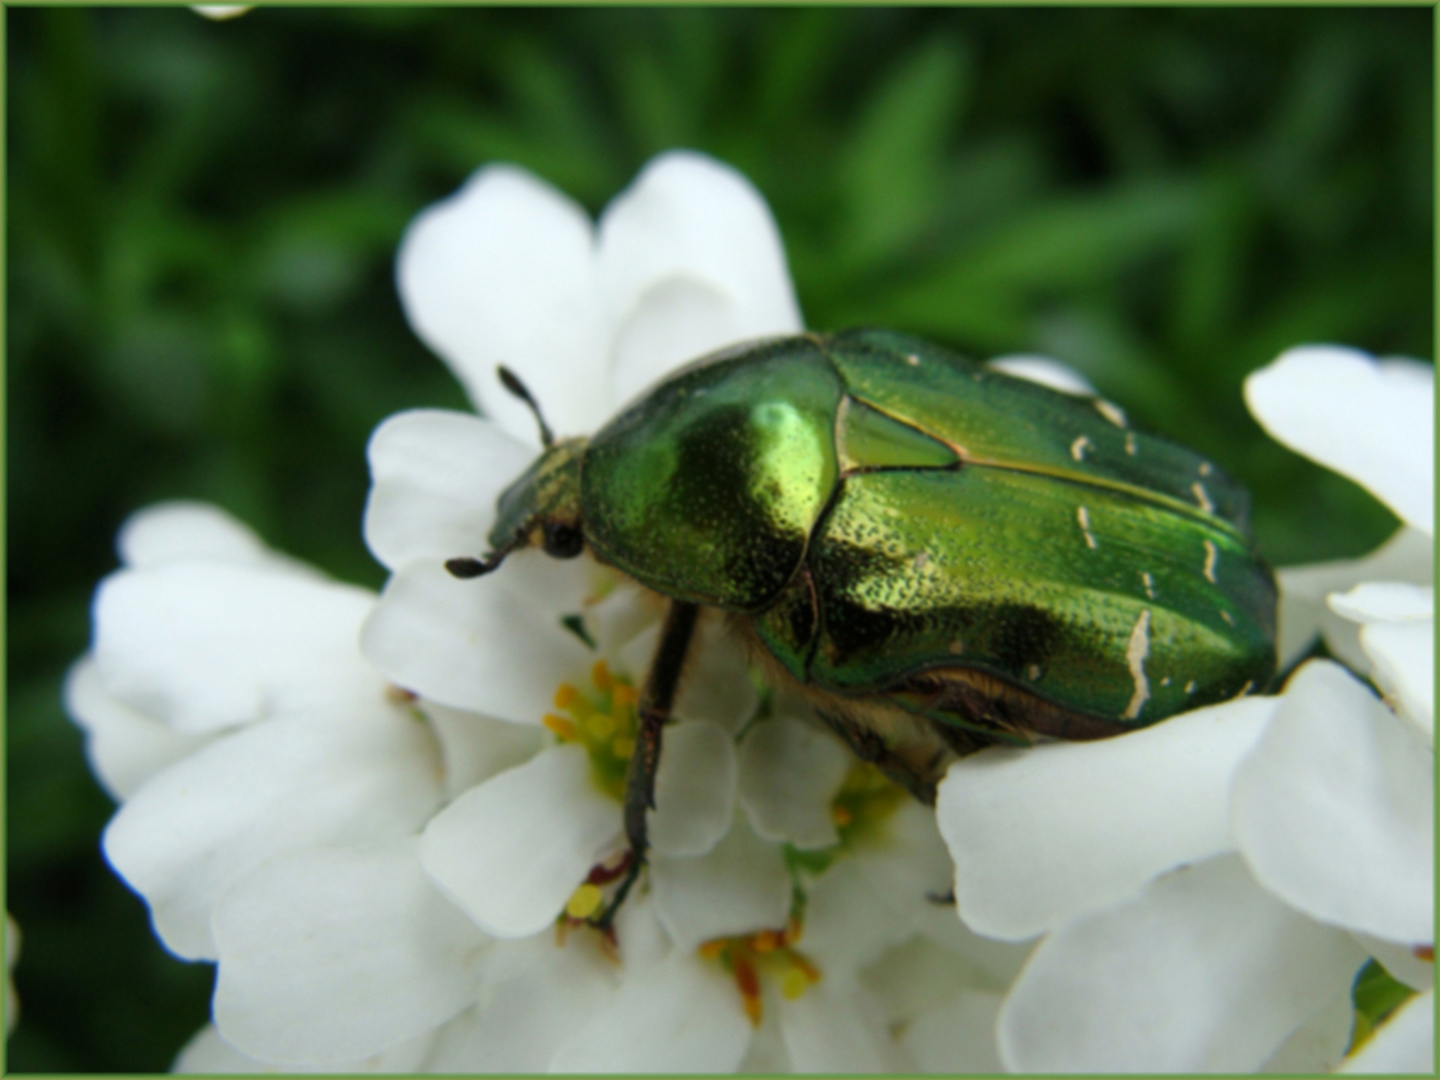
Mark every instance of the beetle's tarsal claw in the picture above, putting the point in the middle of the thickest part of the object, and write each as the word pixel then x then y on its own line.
pixel 468 567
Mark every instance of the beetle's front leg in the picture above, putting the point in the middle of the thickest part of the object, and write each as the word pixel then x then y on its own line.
pixel 656 700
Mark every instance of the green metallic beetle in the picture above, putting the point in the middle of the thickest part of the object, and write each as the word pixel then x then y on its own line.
pixel 937 555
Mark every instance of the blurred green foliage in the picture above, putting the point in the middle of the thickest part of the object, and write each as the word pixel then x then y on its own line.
pixel 202 217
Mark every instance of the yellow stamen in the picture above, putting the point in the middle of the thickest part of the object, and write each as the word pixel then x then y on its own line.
pixel 560 726
pixel 601 677
pixel 601 725
pixel 625 694
pixel 564 695
pixel 584 901
pixel 793 983
pixel 712 949
pixel 752 1009
pixel 809 970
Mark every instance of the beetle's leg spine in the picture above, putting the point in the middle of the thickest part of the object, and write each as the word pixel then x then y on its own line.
pixel 656 701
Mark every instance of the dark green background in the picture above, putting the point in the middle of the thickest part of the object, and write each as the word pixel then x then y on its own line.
pixel 201 220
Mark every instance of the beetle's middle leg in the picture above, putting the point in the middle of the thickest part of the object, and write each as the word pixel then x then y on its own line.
pixel 656 700
pixel 871 746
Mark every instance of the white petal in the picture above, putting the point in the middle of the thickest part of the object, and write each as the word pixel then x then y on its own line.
pixel 1204 972
pixel 739 887
pixel 492 646
pixel 911 978
pixel 640 934
pixel 1384 601
pixel 694 789
pixel 178 531
pixel 200 826
pixel 1373 423
pixel 1404 657
pixel 1405 1043
pixel 511 851
pixel 837 1029
pixel 848 925
pixel 503 272
pixel 1043 835
pixel 690 260
pixel 207 645
pixel 1408 556
pixel 680 1016
pixel 623 614
pixel 1046 372
pixel 717 684
pixel 333 955
pixel 435 477
pixel 124 747
pixel 789 776
pixel 1320 1042
pixel 475 747
pixel 525 1017
pixel 907 864
pixel 1334 810
pixel 958 1036
pixel 208 1052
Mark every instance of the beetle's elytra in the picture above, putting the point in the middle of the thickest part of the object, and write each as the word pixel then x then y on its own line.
pixel 938 555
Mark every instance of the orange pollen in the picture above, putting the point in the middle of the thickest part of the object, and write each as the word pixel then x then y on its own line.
pixel 1425 952
pixel 565 696
pixel 712 949
pixel 560 726
pixel 766 941
pixel 625 694
pixel 841 816
pixel 601 677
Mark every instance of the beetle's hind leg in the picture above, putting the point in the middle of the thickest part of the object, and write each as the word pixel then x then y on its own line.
pixel 869 745
pixel 656 700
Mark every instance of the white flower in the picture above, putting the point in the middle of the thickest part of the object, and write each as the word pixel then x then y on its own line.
pixel 372 813
pixel 1162 949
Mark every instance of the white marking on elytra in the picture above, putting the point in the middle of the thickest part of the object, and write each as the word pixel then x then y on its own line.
pixel 1210 556
pixel 921 560
pixel 1204 468
pixel 1190 687
pixel 1136 650
pixel 1032 672
pixel 1149 584
pixel 1077 448
pixel 1110 412
pixel 1226 616
pixel 912 359
pixel 1165 681
pixel 1202 497
pixel 1130 443
pixel 1083 516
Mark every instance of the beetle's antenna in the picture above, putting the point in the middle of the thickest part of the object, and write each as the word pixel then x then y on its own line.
pixel 467 566
pixel 512 382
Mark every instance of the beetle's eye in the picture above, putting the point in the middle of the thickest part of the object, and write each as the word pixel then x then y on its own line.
pixel 563 541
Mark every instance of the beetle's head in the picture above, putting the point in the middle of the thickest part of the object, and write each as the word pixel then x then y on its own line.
pixel 541 508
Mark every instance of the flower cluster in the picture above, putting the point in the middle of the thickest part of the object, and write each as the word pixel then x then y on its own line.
pixel 388 819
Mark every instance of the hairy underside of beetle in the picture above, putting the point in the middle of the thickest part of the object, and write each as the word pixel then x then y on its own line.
pixel 912 731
